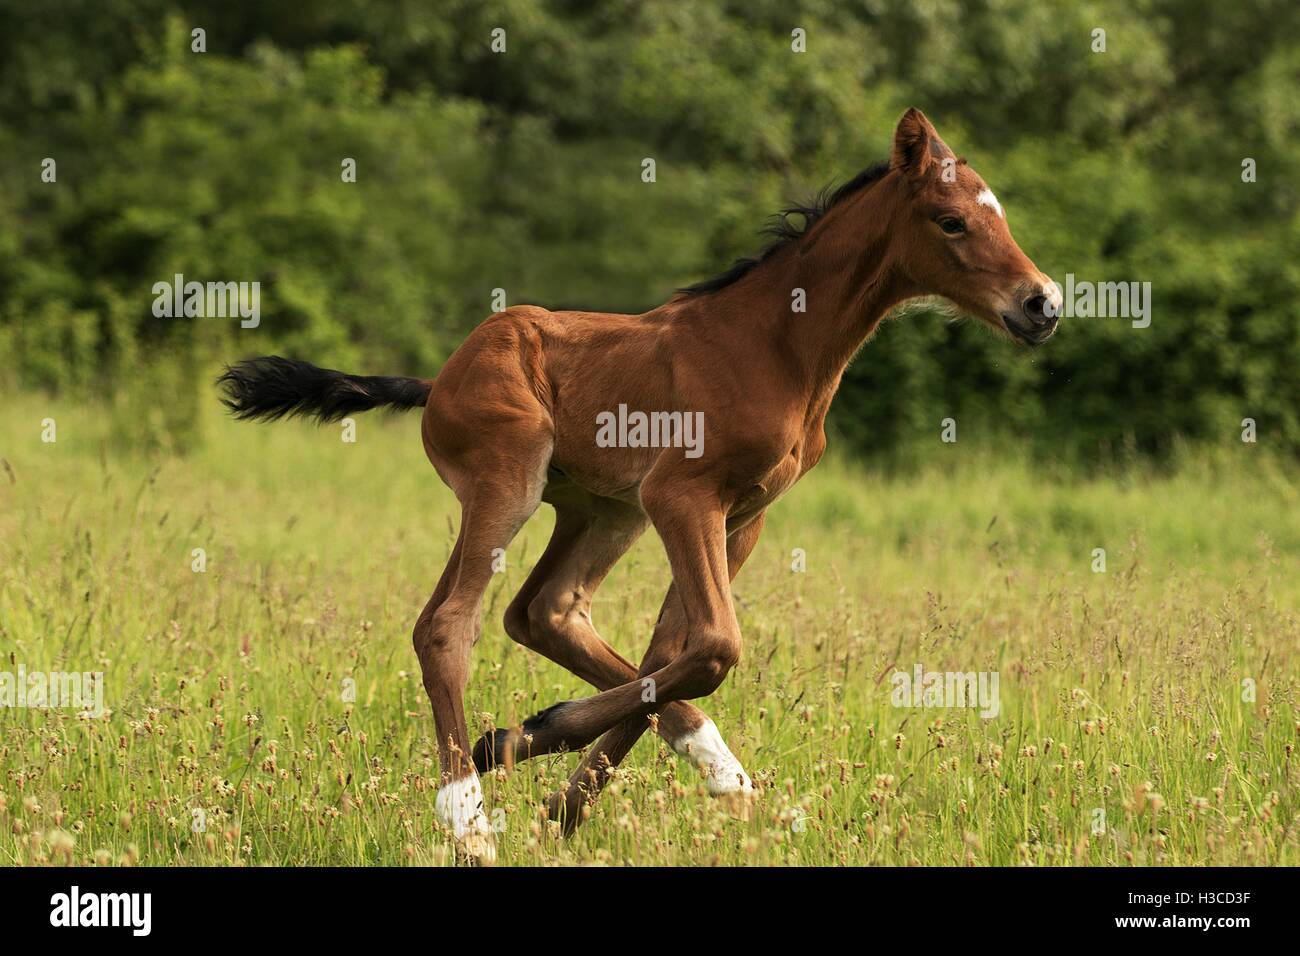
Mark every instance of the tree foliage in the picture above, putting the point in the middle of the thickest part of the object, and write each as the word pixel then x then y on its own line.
pixel 520 171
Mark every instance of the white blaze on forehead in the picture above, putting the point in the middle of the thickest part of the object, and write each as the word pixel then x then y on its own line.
pixel 986 198
pixel 709 752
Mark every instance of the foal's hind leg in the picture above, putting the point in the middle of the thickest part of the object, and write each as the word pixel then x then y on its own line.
pixel 493 508
pixel 552 616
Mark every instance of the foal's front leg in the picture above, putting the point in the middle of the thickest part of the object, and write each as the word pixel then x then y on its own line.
pixel 551 615
pixel 725 777
pixel 689 662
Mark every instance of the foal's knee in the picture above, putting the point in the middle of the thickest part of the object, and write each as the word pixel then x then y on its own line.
pixel 541 621
pixel 528 621
pixel 447 631
pixel 707 661
pixel 516 623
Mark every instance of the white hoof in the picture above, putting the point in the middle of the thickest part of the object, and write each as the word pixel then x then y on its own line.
pixel 459 806
pixel 723 774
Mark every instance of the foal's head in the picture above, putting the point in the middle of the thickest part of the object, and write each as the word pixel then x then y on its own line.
pixel 952 238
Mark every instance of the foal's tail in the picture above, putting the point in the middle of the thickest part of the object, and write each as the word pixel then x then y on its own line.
pixel 270 387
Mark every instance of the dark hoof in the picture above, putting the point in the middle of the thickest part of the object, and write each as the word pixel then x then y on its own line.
pixel 494 749
pixel 505 748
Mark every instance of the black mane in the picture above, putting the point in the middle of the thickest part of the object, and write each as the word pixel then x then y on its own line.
pixel 784 232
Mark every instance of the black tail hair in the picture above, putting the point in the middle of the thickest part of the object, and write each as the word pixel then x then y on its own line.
pixel 271 387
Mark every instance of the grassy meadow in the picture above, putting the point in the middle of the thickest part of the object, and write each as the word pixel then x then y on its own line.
pixel 1148 713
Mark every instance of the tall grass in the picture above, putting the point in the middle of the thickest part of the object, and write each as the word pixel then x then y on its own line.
pixel 1128 731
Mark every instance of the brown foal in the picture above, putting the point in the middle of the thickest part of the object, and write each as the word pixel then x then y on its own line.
pixel 515 419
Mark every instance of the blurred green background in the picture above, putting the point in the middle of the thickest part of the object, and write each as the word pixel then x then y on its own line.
pixel 521 171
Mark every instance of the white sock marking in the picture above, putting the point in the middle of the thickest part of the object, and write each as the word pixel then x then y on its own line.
pixel 709 752
pixel 986 198
pixel 459 805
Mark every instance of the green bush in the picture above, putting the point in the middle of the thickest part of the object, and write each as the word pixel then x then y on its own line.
pixel 520 171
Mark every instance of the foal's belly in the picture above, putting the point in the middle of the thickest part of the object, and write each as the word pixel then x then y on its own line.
pixel 620 476
pixel 604 472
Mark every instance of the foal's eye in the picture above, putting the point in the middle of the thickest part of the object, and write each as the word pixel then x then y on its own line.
pixel 952 225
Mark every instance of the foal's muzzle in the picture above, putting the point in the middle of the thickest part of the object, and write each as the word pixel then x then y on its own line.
pixel 1036 319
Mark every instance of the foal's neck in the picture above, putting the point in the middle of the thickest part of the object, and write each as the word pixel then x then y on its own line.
pixel 849 282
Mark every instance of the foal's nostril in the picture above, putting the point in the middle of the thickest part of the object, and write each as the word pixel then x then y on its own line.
pixel 1036 308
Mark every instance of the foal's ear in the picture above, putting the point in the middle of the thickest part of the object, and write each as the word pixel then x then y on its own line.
pixel 917 145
